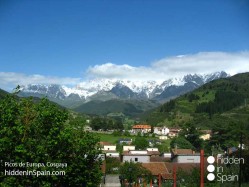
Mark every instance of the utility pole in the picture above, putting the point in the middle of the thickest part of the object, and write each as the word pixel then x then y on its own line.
pixel 174 175
pixel 202 168
pixel 240 155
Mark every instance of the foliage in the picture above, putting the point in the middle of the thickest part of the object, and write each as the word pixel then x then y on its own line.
pixel 167 107
pixel 221 106
pixel 181 143
pixel 224 101
pixel 133 171
pixel 192 97
pixel 78 121
pixel 105 124
pixel 126 133
pixel 164 146
pixel 141 143
pixel 112 164
pixel 38 133
pixel 131 108
pixel 117 133
pixel 190 132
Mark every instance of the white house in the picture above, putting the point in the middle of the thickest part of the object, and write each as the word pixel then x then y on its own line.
pixel 152 149
pixel 128 147
pixel 167 155
pixel 136 156
pixel 112 154
pixel 185 156
pixel 163 137
pixel 109 148
pixel 161 130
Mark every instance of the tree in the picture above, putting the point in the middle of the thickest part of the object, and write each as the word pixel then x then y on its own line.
pixel 133 171
pixel 141 143
pixel 40 133
pixel 192 135
pixel 181 143
pixel 111 165
pixel 78 122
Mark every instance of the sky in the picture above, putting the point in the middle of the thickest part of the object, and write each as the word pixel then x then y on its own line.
pixel 67 42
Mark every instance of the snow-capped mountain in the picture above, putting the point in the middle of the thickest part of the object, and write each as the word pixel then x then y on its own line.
pixel 104 89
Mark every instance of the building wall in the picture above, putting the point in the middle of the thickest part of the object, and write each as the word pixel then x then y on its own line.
pixel 152 149
pixel 161 130
pixel 187 159
pixel 205 136
pixel 112 154
pixel 167 155
pixel 163 137
pixel 109 148
pixel 127 148
pixel 136 158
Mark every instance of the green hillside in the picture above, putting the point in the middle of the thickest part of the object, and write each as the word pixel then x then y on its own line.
pixel 131 108
pixel 224 100
pixel 3 93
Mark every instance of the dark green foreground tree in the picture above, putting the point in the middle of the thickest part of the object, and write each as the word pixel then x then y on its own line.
pixel 41 133
pixel 133 172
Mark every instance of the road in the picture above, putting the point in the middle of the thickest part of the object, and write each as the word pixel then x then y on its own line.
pixel 112 181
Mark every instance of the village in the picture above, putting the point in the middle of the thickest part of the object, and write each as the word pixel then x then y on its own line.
pixel 162 165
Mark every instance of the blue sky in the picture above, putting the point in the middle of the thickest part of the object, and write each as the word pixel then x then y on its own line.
pixel 69 41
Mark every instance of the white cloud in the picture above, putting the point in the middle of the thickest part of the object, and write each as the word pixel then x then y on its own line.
pixel 200 63
pixel 175 66
pixel 9 80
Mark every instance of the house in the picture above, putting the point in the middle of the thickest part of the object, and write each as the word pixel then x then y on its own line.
pixel 206 134
pixel 154 152
pixel 161 130
pixel 102 144
pixel 185 156
pixel 159 172
pixel 136 156
pixel 113 154
pixel 128 148
pixel 87 128
pixel 125 140
pixel 167 155
pixel 141 128
pixel 143 156
pixel 109 148
pixel 163 137
pixel 173 132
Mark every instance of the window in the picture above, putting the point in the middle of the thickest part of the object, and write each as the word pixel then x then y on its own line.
pixel 136 159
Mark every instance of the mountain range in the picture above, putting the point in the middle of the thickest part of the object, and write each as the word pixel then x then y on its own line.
pixel 218 103
pixel 103 90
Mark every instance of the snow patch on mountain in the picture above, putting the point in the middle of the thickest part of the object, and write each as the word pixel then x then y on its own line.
pixel 149 88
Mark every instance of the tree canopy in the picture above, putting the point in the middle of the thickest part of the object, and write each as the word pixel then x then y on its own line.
pixel 40 134
pixel 132 172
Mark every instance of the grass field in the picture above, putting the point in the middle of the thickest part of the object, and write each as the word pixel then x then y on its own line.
pixel 110 138
pixel 113 140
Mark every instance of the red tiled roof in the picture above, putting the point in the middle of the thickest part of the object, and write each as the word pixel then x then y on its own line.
pixel 141 126
pixel 165 169
pixel 105 143
pixel 159 159
pixel 187 167
pixel 156 168
pixel 154 152
pixel 183 152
